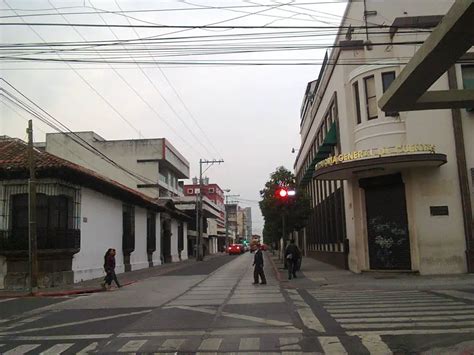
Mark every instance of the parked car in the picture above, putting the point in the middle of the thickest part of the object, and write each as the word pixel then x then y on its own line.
pixel 235 249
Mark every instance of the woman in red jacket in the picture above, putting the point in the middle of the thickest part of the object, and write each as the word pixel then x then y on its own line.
pixel 109 267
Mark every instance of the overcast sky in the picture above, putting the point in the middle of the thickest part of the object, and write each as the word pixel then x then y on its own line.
pixel 250 114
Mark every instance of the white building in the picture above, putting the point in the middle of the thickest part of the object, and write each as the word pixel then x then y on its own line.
pixel 155 162
pixel 385 187
pixel 149 166
pixel 80 214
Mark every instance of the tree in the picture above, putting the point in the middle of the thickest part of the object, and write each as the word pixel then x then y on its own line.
pixel 296 209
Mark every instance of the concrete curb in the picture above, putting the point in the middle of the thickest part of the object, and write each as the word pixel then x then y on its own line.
pixel 275 269
pixel 63 293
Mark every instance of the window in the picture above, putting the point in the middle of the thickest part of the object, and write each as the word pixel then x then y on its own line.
pixel 468 80
pixel 52 212
pixel 128 228
pixel 190 191
pixel 370 98
pixel 151 231
pixel 355 88
pixel 387 79
pixel 211 190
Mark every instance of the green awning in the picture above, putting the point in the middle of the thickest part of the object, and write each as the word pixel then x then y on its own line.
pixel 323 152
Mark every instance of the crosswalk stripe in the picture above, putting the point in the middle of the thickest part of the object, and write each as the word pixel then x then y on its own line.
pixel 361 333
pixel 172 344
pixel 444 323
pixel 375 345
pixel 132 345
pixel 22 349
pixel 310 320
pixel 385 305
pixel 405 319
pixel 57 349
pixel 289 343
pixel 458 294
pixel 400 308
pixel 395 315
pixel 332 345
pixel 89 348
pixel 350 303
pixel 249 344
pixel 210 344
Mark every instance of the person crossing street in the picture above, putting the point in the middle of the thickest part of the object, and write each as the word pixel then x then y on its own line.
pixel 292 256
pixel 258 267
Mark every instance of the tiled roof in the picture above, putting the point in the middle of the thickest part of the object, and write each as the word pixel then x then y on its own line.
pixel 14 165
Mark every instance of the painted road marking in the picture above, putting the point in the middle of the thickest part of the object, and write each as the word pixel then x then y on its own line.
pixel 405 319
pixel 375 344
pixel 411 331
pixel 217 332
pixel 210 344
pixel 77 323
pixel 249 344
pixel 444 323
pixel 57 337
pixel 6 299
pixel 396 315
pixel 457 294
pixel 332 345
pixel 236 316
pixel 385 302
pixel 306 314
pixel 310 320
pixel 289 343
pixel 89 348
pixel 172 344
pixel 132 345
pixel 401 308
pixel 56 349
pixel 22 349
pixel 387 305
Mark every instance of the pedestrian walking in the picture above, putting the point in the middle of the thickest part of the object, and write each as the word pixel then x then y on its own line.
pixel 292 256
pixel 109 267
pixel 258 267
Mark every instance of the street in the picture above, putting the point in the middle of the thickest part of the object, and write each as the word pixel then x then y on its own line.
pixel 213 307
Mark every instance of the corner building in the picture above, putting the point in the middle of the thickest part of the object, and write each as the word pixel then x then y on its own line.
pixel 385 186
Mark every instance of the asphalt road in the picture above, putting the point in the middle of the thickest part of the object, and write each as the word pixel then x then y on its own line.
pixel 213 307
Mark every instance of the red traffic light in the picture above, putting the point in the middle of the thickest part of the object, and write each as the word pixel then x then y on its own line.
pixel 282 192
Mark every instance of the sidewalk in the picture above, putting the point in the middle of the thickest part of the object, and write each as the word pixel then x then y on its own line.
pixel 316 274
pixel 93 285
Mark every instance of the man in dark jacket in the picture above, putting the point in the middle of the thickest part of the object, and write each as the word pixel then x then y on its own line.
pixel 258 264
pixel 292 255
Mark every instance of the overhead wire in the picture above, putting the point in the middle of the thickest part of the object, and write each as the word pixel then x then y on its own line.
pixel 135 91
pixel 60 127
pixel 178 95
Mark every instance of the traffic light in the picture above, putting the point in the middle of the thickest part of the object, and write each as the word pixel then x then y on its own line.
pixel 283 193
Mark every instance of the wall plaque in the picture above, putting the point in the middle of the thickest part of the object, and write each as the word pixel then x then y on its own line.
pixel 439 210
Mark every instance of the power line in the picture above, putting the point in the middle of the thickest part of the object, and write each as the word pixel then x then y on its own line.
pixel 52 24
pixel 60 127
pixel 159 93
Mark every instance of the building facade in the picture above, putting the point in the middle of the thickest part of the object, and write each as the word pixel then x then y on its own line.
pixel 149 166
pixel 156 163
pixel 80 214
pixel 384 185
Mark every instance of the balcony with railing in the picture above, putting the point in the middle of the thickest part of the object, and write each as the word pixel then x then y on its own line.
pixel 48 240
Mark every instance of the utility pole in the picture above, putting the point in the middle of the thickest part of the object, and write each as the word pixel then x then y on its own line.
pixel 32 246
pixel 199 250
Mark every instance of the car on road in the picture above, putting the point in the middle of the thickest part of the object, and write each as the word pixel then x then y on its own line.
pixel 235 249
